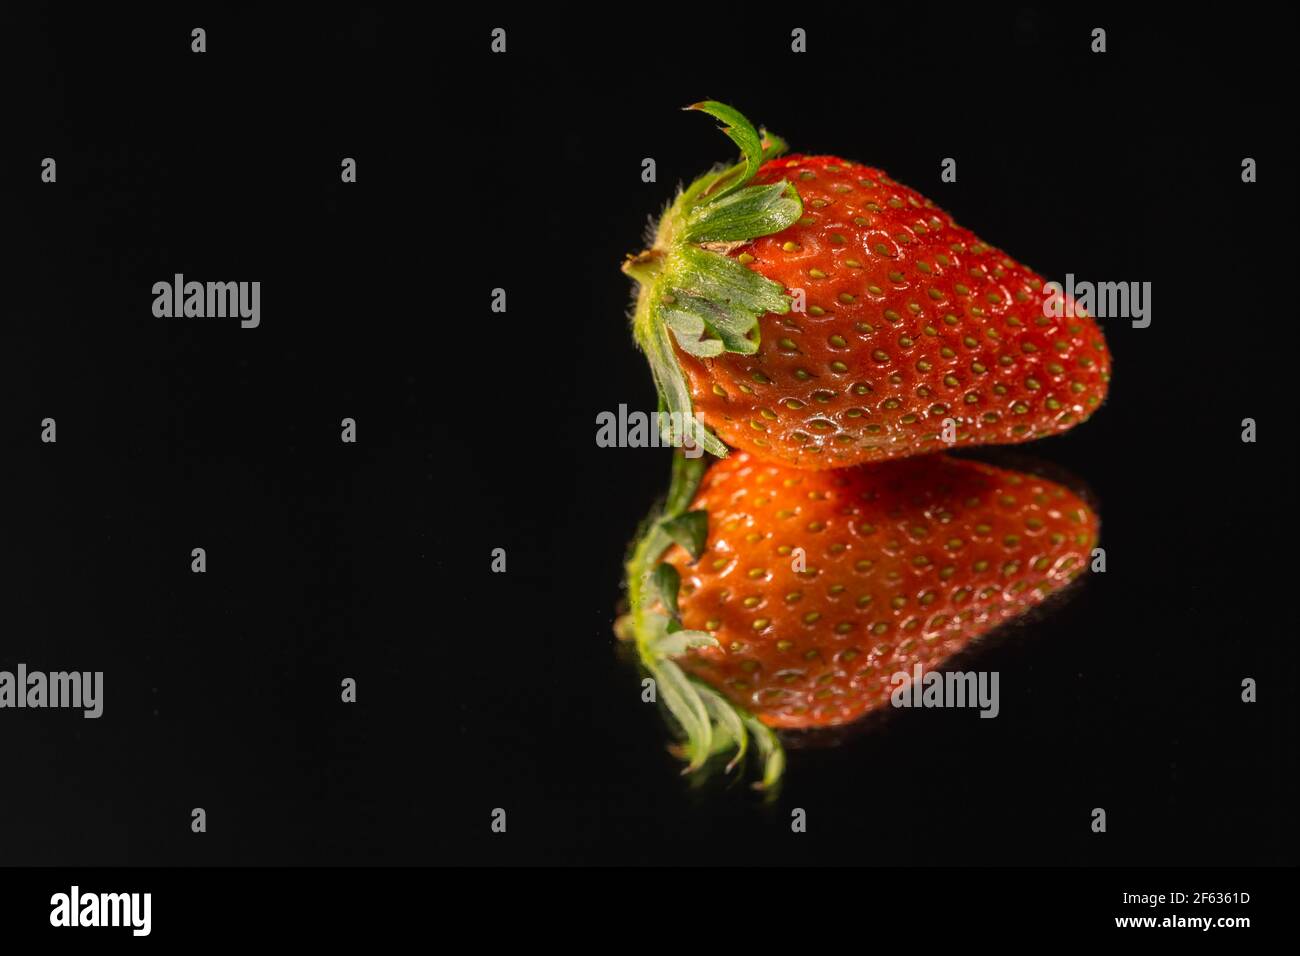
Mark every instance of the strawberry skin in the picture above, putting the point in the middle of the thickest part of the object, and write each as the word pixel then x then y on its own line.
pixel 879 328
pixel 904 563
pixel 910 320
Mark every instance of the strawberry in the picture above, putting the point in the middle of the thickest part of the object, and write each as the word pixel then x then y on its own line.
pixel 814 312
pixel 901 563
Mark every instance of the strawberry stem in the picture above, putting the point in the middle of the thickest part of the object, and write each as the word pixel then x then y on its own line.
pixel 693 296
pixel 711 723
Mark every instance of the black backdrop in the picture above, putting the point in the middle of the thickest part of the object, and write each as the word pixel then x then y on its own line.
pixel 476 431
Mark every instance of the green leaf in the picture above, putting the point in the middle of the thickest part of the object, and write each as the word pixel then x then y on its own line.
pixel 722 711
pixel 722 742
pixel 741 132
pixel 689 327
pixel 683 701
pixel 714 303
pixel 721 279
pixel 770 749
pixel 666 582
pixel 690 530
pixel 685 481
pixel 706 329
pixel 749 212
pixel 677 643
pixel 670 383
pixel 773 145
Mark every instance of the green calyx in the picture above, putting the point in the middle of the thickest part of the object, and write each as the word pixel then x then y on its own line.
pixel 691 292
pixel 711 724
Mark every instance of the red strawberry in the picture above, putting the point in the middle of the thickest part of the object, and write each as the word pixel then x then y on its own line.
pixel 903 563
pixel 914 336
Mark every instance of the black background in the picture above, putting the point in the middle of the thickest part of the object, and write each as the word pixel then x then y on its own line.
pixel 476 431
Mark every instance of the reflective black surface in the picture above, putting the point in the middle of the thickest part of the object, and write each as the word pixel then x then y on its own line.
pixel 476 431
